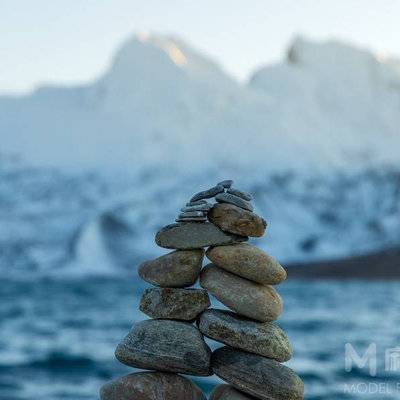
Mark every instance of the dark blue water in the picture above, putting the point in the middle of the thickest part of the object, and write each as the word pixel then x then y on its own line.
pixel 57 337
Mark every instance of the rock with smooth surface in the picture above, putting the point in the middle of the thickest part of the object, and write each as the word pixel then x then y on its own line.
pixel 165 345
pixel 174 303
pixel 239 193
pixel 191 219
pixel 248 262
pixel 227 392
pixel 226 183
pixel 207 194
pixel 235 200
pixel 263 338
pixel 194 235
pixel 258 376
pixel 247 298
pixel 151 386
pixel 233 219
pixel 176 269
pixel 189 214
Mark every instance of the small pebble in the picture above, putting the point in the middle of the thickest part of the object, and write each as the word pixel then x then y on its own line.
pixel 226 184
pixel 239 193
pixel 235 200
pixel 207 194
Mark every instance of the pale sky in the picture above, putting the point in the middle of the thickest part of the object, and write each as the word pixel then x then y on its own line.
pixel 72 41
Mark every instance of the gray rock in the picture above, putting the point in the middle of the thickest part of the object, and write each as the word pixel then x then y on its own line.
pixel 179 268
pixel 226 184
pixel 196 203
pixel 233 219
pixel 165 345
pixel 199 207
pixel 207 194
pixel 193 236
pixel 191 214
pixel 174 303
pixel 151 386
pixel 191 219
pixel 258 376
pixel 232 199
pixel 263 338
pixel 239 193
pixel 227 392
pixel 248 262
pixel 247 298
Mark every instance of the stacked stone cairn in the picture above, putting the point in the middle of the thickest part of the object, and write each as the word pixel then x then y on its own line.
pixel 241 277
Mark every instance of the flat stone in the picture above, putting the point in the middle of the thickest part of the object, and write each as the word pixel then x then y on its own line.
pixel 199 207
pixel 258 376
pixel 174 303
pixel 227 392
pixel 263 338
pixel 151 386
pixel 248 262
pixel 191 219
pixel 196 203
pixel 226 183
pixel 179 268
pixel 247 298
pixel 233 219
pixel 194 235
pixel 239 193
pixel 207 194
pixel 235 200
pixel 191 214
pixel 165 345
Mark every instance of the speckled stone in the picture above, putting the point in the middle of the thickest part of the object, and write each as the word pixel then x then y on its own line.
pixel 199 207
pixel 179 268
pixel 165 345
pixel 189 214
pixel 226 183
pixel 227 392
pixel 258 376
pixel 247 298
pixel 174 303
pixel 248 262
pixel 194 235
pixel 196 203
pixel 263 338
pixel 233 219
pixel 207 194
pixel 151 386
pixel 239 193
pixel 235 200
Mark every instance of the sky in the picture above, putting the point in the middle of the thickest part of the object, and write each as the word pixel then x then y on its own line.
pixel 72 41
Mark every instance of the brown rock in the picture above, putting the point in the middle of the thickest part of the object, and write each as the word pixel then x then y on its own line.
pixel 248 262
pixel 174 303
pixel 239 221
pixel 247 298
pixel 258 376
pixel 227 392
pixel 151 386
pixel 179 268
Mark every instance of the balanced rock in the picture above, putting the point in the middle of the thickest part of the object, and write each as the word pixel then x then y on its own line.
pixel 248 262
pixel 196 203
pixel 228 392
pixel 199 207
pixel 239 193
pixel 194 236
pixel 258 376
pixel 247 298
pixel 165 345
pixel 151 386
pixel 207 194
pixel 263 338
pixel 233 219
pixel 174 303
pixel 235 200
pixel 176 269
pixel 226 183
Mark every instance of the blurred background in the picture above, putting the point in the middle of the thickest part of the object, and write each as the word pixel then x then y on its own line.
pixel 112 114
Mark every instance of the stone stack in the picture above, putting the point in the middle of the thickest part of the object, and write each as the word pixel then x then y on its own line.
pixel 241 277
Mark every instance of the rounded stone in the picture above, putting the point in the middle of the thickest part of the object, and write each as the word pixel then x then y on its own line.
pixel 248 262
pixel 151 386
pixel 227 392
pixel 194 236
pixel 174 303
pixel 247 298
pixel 258 376
pixel 165 345
pixel 233 219
pixel 263 338
pixel 179 268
